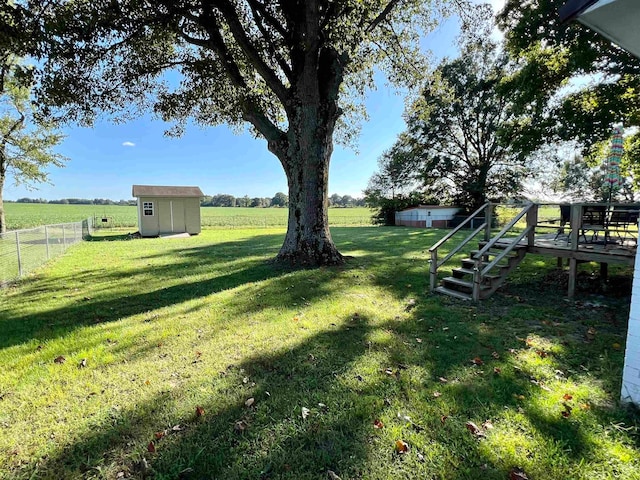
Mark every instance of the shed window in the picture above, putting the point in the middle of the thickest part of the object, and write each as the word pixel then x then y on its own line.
pixel 147 208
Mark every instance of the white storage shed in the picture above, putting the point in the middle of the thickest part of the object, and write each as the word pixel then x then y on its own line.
pixel 166 209
pixel 427 216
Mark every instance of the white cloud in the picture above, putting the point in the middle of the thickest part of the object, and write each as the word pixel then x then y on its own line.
pixel 128 144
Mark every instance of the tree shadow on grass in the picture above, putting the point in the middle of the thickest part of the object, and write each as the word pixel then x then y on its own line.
pixel 269 439
pixel 187 274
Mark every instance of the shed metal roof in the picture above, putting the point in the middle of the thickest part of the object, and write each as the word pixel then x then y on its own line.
pixel 165 191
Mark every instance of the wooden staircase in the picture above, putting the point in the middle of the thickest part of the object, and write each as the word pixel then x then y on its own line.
pixel 460 284
pixel 480 274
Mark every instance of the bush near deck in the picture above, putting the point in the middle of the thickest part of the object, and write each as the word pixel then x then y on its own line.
pixel 130 359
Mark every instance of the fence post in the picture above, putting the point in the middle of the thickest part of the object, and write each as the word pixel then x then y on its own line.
pixel 64 239
pixel 46 240
pixel 19 258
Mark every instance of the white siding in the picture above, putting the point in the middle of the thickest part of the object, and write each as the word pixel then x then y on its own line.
pixel 426 215
pixel 631 372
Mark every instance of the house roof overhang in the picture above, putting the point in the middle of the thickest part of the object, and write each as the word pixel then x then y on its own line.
pixel 617 20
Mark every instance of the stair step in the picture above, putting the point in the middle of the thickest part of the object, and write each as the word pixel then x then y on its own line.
pixel 470 271
pixel 501 245
pixel 491 253
pixel 453 293
pixel 458 283
pixel 470 262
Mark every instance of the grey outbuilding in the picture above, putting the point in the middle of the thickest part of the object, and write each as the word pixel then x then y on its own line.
pixel 166 210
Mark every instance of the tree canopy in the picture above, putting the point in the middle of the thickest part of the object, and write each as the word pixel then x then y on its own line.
pixel 576 82
pixel 27 142
pixel 462 140
pixel 288 68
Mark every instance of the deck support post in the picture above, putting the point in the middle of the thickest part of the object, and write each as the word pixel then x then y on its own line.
pixel 560 263
pixel 604 272
pixel 573 270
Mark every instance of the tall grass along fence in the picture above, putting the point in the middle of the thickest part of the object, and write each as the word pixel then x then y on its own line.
pixel 22 251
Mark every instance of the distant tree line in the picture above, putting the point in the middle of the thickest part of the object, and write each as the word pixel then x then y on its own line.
pixel 219 200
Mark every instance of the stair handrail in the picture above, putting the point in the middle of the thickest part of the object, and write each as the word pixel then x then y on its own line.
pixel 433 269
pixel 479 273
pixel 502 233
pixel 505 251
pixel 439 243
pixel 458 247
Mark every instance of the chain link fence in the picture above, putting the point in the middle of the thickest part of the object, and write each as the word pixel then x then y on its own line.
pixel 22 251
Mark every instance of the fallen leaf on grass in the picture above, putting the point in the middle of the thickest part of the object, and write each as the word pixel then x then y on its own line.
pixel 517 474
pixel 60 359
pixel 487 425
pixel 419 340
pixel 177 428
pixel 401 447
pixel 437 394
pixel 420 457
pixel 591 334
pixel 497 371
pixel 495 355
pixel 199 411
pixel 378 424
pixel 585 406
pixel 567 397
pixel 332 475
pixel 542 353
pixel 388 371
pixel 566 413
pixel 477 361
pixel 443 419
pixel 151 447
pixel 443 380
pixel 240 426
pixel 39 347
pixel 305 412
pixel 159 435
pixel 249 402
pixel 475 430
pixel 83 363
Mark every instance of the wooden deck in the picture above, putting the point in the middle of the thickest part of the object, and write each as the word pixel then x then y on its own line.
pixel 549 245
pixel 583 232
pixel 587 232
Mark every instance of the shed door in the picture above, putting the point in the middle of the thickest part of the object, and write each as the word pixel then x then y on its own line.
pixel 164 216
pixel 177 210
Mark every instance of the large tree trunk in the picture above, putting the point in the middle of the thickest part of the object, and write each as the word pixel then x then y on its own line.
pixel 308 241
pixel 305 159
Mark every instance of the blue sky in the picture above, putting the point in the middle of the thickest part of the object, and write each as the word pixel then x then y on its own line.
pixel 106 160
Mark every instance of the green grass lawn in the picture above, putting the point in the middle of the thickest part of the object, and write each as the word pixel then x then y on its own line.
pixel 161 345
pixel 28 215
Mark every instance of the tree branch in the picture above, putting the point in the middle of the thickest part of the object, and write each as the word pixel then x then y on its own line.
pixel 381 16
pixel 230 15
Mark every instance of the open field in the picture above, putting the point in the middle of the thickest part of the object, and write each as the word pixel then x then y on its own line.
pixel 27 215
pixel 197 358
